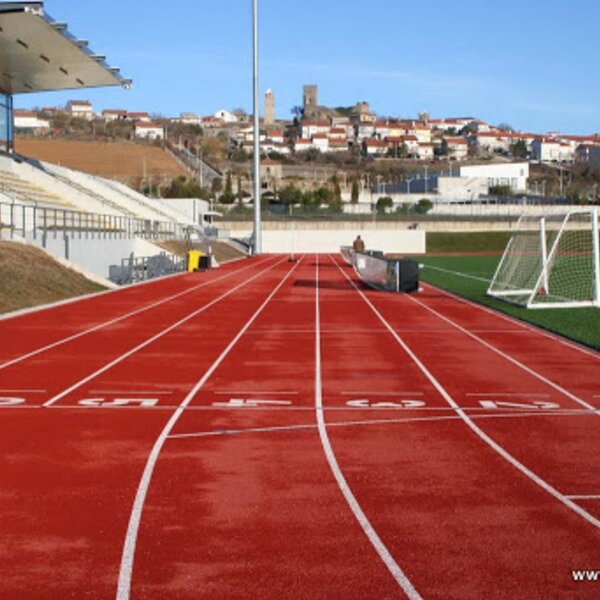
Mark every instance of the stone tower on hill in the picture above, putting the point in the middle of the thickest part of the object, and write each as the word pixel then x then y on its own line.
pixel 269 118
pixel 311 99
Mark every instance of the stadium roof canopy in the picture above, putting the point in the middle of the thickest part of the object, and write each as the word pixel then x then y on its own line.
pixel 38 54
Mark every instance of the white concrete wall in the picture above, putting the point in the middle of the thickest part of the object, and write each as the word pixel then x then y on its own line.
pixel 307 240
pixel 96 256
pixel 462 188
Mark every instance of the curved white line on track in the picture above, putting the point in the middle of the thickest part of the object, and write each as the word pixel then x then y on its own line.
pixel 159 335
pixel 377 543
pixel 127 558
pixel 128 315
pixel 469 422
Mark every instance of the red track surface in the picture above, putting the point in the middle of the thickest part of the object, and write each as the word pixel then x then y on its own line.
pixel 276 430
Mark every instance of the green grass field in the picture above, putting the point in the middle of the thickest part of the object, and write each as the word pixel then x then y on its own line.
pixel 469 276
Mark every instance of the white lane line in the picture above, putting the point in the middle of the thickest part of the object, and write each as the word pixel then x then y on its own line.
pixel 23 391
pixel 242 393
pixel 130 392
pixel 127 558
pixel 381 549
pixel 508 395
pixel 391 394
pixel 591 497
pixel 128 315
pixel 469 422
pixel 523 324
pixel 159 335
pixel 504 355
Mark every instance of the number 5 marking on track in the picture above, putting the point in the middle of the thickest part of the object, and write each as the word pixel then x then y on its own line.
pixel 6 402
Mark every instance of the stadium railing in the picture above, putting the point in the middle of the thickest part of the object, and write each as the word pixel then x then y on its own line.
pixel 32 221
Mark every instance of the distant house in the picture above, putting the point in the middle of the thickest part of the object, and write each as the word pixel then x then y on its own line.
pixel 455 147
pixel 321 142
pixel 310 128
pixel 82 109
pixel 144 117
pixel 338 145
pixel 375 147
pixel 114 114
pixel 275 135
pixel 27 120
pixel 588 153
pixel 425 151
pixel 149 131
pixel 551 150
pixel 190 119
pixel 226 116
pixel 212 122
pixel 302 144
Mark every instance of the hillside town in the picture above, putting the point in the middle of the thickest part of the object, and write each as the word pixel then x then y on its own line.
pixel 450 158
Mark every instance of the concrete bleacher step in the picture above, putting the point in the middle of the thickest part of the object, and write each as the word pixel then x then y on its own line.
pixel 88 192
pixel 15 187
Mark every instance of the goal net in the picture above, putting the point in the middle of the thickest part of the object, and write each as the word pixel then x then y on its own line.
pixel 551 262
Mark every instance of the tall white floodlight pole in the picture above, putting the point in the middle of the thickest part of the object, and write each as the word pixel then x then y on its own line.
pixel 257 225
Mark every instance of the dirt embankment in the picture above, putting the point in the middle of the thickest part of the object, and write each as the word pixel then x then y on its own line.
pixel 126 162
pixel 222 252
pixel 29 277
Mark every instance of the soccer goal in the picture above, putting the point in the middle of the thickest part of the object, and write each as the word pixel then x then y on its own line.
pixel 551 262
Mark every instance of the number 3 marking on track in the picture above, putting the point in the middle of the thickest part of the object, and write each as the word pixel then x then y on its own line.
pixel 401 404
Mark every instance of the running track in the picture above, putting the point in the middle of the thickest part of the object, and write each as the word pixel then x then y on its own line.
pixel 276 430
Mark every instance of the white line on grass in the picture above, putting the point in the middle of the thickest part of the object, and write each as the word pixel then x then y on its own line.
pixel 361 517
pixel 457 273
pixel 128 315
pixel 469 422
pixel 127 558
pixel 159 335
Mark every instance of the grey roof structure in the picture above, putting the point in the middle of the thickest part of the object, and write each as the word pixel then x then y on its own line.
pixel 38 54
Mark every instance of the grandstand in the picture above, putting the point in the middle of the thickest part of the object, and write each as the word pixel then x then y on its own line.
pixel 90 220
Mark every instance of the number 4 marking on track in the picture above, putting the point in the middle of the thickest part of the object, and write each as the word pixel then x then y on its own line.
pixel 401 404
pixel 242 403
pixel 492 404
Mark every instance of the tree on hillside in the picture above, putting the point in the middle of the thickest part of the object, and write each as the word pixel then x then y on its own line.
pixel 337 190
pixel 355 193
pixel 519 149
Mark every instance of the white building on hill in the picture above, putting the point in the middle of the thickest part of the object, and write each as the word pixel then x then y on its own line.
pixel 149 131
pixel 25 119
pixel 81 108
pixel 514 175
pixel 226 116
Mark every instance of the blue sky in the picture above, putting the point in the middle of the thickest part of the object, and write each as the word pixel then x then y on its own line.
pixel 530 63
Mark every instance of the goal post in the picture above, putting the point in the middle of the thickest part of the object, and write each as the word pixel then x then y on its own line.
pixel 551 261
